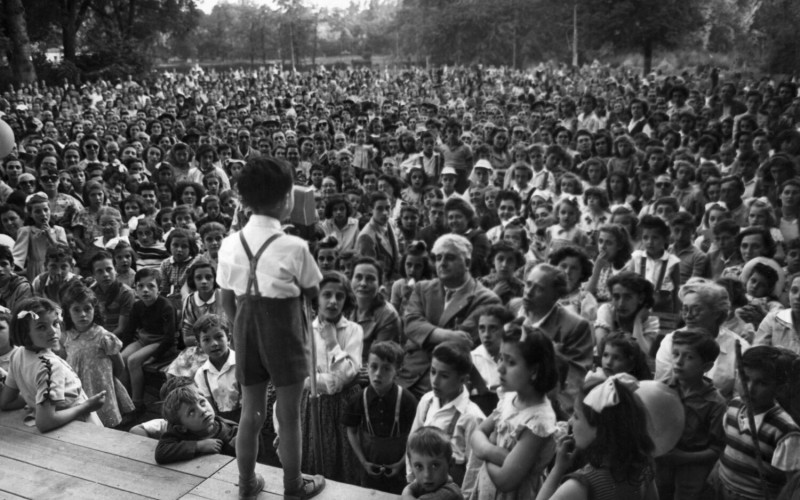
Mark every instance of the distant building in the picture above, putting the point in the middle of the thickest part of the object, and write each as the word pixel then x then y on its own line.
pixel 54 55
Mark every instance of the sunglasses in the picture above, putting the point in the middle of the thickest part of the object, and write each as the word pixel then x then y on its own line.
pixel 663 184
pixel 48 178
pixel 92 146
pixel 27 183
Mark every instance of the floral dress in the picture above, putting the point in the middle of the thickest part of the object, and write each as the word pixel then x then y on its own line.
pixel 88 354
pixel 510 422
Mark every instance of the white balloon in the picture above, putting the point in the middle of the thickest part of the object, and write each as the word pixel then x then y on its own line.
pixel 6 139
pixel 665 411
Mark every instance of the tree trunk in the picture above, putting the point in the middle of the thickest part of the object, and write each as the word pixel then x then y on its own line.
pixel 68 38
pixel 20 54
pixel 648 57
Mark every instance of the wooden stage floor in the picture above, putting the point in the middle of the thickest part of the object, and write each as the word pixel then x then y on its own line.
pixel 87 462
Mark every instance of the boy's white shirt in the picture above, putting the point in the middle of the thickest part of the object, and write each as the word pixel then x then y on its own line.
pixel 439 416
pixel 222 382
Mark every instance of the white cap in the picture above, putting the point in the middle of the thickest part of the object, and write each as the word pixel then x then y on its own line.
pixel 449 171
pixel 482 163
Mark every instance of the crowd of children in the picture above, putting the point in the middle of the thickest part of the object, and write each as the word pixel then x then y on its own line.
pixel 160 238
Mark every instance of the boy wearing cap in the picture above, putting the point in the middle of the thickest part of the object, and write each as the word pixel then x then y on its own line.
pixel 481 175
pixel 449 182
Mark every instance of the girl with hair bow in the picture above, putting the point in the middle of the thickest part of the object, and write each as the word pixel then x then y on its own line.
pixel 609 436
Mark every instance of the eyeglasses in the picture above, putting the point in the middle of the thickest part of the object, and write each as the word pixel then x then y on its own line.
pixel 48 178
pixel 92 146
pixel 663 184
pixel 27 183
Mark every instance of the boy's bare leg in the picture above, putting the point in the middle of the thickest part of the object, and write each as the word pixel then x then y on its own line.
pixel 290 444
pixel 254 413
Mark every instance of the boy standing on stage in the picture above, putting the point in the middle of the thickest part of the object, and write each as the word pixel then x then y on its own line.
pixel 261 291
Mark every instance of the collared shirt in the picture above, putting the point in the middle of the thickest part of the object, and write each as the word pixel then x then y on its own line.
pixel 220 384
pixel 693 262
pixel 346 236
pixel 285 268
pixel 430 412
pixel 486 366
pixel 704 410
pixel 778 330
pixel 653 267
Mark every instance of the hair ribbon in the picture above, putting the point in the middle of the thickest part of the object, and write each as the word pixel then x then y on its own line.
pixel 23 314
pixel 604 395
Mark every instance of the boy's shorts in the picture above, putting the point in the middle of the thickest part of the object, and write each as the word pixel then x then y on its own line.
pixel 269 341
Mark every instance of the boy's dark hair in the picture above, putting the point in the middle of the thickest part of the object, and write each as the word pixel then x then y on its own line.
pixel 390 351
pixel 513 196
pixel 454 355
pixel 211 227
pixel 183 233
pixel 682 219
pixel 148 224
pixel 504 246
pixel 667 200
pixel 264 183
pixel 776 363
pixel 173 402
pixel 147 273
pixel 74 294
pixel 537 349
pixel 58 253
pixel 770 274
pixel 182 210
pixel 208 321
pixel 173 383
pixel 208 199
pixel 496 311
pixel 430 442
pixel 702 343
pixel 376 197
pixel 21 327
pixel 161 213
pixel 726 226
pixel 656 224
pixel 100 255
pixel 5 254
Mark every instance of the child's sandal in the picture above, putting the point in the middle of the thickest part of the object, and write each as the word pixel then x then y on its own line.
pixel 249 490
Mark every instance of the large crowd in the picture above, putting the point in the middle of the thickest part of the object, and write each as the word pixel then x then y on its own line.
pixel 492 262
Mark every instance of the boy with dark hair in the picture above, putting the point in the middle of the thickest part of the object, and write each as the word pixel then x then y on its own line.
pixel 265 300
pixel 193 428
pixel 682 472
pixel 726 253
pixel 694 263
pixel 116 299
pixel 448 405
pixel 58 273
pixel 378 421
pixel 659 267
pixel 430 454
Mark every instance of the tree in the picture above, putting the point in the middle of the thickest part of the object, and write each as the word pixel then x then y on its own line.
pixel 16 29
pixel 639 24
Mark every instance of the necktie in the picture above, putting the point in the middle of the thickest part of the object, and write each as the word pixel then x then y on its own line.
pixel 448 296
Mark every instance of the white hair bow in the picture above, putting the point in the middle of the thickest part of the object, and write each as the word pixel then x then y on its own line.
pixel 23 314
pixel 605 394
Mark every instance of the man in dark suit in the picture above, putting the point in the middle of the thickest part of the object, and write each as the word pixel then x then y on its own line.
pixel 570 333
pixel 445 308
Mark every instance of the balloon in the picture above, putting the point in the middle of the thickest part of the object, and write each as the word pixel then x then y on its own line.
pixel 665 411
pixel 6 139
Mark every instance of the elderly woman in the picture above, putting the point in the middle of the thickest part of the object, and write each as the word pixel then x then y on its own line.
pixel 377 317
pixel 780 328
pixel 705 306
pixel 461 220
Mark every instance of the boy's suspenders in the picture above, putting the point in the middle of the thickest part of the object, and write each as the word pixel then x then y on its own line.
pixel 661 275
pixel 252 280
pixel 396 425
pixel 451 427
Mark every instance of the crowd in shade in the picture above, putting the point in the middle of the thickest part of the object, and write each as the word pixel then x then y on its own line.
pixel 501 258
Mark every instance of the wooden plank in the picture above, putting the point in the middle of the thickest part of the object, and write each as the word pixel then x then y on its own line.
pixel 214 489
pixel 92 465
pixel 21 480
pixel 5 495
pixel 274 484
pixel 121 443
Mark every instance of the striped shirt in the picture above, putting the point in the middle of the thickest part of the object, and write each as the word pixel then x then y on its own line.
pixel 738 469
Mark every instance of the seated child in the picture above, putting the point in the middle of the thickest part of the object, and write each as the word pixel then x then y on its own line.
pixel 149 248
pixel 58 264
pixel 620 353
pixel 13 287
pixel 6 349
pixel 150 332
pixel 40 378
pixel 116 299
pixel 766 369
pixel 430 454
pixel 379 419
pixel 124 262
pixel 502 281
pixel 212 234
pixel 682 472
pixel 448 406
pixel 763 279
pixel 193 428
pixel 216 378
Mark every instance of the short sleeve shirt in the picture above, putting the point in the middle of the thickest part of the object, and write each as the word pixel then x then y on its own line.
pixel 43 376
pixel 285 268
